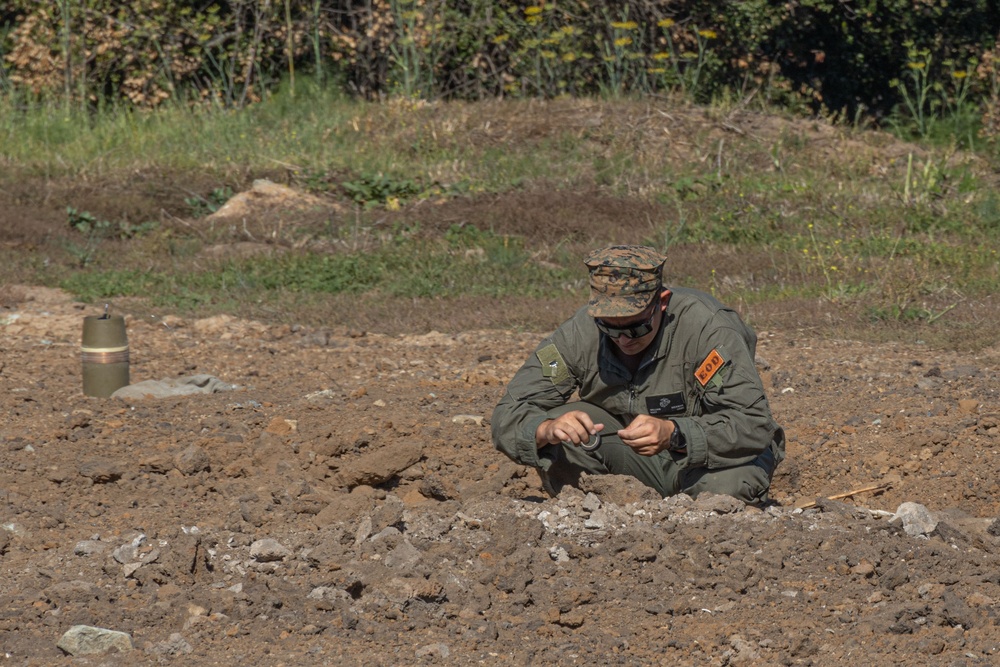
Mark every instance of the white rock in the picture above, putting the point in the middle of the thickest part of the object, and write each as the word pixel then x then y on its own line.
pixel 328 593
pixel 591 502
pixel 468 419
pixel 403 556
pixel 175 645
pixel 440 650
pixel 125 554
pixel 916 519
pixel 269 550
pixel 89 547
pixel 559 554
pixel 88 640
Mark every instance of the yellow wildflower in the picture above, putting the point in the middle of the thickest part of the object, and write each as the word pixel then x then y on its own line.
pixel 623 41
pixel 960 74
pixel 534 10
pixel 500 39
pixel 548 55
pixel 661 55
pixel 913 65
pixel 665 23
pixel 708 34
pixel 656 70
pixel 568 57
pixel 624 25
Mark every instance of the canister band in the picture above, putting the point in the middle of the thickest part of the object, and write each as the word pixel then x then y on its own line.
pixel 105 355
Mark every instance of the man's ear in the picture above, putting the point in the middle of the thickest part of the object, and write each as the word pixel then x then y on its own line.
pixel 664 300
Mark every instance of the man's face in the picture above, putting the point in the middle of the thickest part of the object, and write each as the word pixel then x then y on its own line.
pixel 647 321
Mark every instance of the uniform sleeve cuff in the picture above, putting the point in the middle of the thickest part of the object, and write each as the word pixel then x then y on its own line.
pixel 694 439
pixel 527 447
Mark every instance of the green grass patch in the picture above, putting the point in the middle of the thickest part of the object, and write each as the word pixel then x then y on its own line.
pixel 457 202
pixel 466 262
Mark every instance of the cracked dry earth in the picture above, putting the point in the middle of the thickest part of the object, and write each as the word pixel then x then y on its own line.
pixel 343 505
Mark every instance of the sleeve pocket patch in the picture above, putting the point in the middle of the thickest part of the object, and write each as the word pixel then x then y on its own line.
pixel 713 362
pixel 553 365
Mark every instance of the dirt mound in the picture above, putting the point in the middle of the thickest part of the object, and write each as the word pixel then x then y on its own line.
pixel 263 195
pixel 342 505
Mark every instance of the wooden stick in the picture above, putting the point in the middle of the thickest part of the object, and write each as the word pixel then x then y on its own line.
pixel 846 494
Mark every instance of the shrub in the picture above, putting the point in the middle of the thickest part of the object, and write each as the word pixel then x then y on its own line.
pixel 829 56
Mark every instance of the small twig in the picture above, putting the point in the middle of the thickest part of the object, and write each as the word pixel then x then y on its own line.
pixel 933 318
pixel 846 494
pixel 733 128
pixel 200 234
pixel 287 165
pixel 718 165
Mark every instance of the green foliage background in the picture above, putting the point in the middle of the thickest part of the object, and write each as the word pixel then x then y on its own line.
pixel 822 55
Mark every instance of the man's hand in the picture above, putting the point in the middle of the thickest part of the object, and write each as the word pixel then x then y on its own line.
pixel 575 427
pixel 647 435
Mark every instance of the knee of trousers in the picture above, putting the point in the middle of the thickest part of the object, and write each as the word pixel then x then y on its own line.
pixel 749 483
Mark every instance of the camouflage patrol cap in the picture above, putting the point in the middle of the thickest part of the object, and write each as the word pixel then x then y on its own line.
pixel 624 279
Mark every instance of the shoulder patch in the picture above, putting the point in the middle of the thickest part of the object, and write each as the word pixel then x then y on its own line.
pixel 713 362
pixel 553 365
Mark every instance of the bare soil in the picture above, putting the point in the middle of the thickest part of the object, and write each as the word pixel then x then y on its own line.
pixel 343 505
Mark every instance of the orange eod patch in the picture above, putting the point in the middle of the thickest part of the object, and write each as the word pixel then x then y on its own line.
pixel 713 362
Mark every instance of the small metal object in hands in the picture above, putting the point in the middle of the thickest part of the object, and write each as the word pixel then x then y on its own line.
pixel 593 443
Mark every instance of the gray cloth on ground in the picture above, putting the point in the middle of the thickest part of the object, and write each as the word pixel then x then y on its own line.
pixel 167 387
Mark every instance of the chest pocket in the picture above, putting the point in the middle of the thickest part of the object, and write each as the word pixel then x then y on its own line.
pixel 667 391
pixel 667 405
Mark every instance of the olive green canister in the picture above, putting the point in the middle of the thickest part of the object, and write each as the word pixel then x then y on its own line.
pixel 104 353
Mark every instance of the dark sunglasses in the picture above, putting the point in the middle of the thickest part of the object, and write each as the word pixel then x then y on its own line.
pixel 635 331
